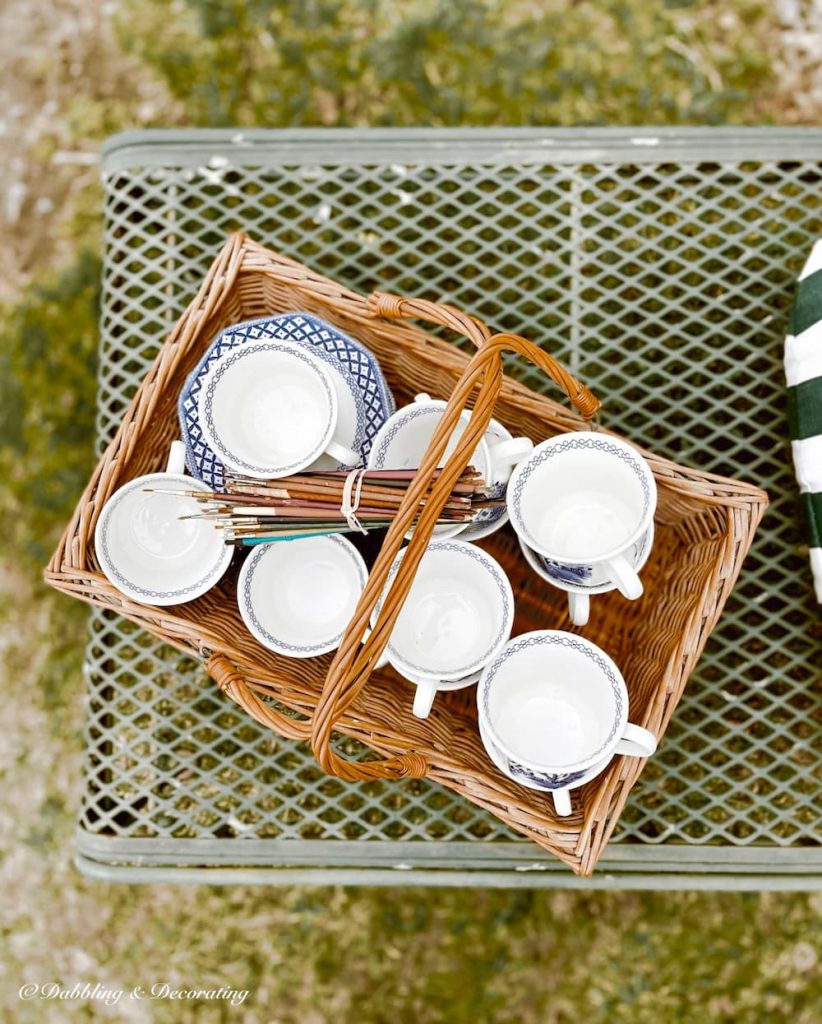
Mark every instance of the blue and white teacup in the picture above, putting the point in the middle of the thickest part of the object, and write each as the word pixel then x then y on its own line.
pixel 555 706
pixel 457 615
pixel 583 501
pixel 593 579
pixel 270 409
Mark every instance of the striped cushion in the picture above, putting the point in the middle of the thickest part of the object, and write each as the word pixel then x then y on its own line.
pixel 803 370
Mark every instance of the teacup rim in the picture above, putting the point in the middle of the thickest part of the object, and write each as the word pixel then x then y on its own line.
pixel 243 352
pixel 597 654
pixel 142 595
pixel 515 486
pixel 411 410
pixel 256 629
pixel 478 664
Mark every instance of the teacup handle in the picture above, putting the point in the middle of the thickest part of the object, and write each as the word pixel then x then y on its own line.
pixel 343 455
pixel 422 398
pixel 176 458
pixel 424 694
pixel 579 608
pixel 625 576
pixel 636 741
pixel 562 802
pixel 508 453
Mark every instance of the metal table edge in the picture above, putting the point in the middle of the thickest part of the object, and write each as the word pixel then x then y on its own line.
pixel 421 858
pixel 279 146
pixel 604 879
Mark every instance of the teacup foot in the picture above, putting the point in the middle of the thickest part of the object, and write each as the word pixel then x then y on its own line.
pixel 562 802
pixel 579 608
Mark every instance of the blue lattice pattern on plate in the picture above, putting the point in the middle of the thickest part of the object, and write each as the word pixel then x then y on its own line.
pixel 355 363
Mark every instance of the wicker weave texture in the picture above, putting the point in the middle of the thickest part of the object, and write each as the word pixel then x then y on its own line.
pixel 705 525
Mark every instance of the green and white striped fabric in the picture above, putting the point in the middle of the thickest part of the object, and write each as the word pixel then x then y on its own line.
pixel 803 370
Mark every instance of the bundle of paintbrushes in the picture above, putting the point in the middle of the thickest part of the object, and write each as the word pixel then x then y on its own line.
pixel 325 502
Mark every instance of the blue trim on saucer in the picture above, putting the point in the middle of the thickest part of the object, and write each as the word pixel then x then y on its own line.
pixel 353 361
pixel 580 575
pixel 566 640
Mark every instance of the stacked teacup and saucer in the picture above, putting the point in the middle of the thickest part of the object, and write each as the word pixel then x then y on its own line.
pixel 553 706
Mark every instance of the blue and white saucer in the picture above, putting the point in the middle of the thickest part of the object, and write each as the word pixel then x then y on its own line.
pixel 364 397
pixel 531 779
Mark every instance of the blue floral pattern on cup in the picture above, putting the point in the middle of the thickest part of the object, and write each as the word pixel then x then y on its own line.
pixel 585 577
pixel 578 575
pixel 545 780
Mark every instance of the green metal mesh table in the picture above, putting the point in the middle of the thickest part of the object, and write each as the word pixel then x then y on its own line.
pixel 659 266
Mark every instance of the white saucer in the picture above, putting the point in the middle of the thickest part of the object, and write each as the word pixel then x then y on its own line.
pixel 501 761
pixel 640 554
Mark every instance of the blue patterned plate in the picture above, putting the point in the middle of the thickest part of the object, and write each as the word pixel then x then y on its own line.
pixel 354 368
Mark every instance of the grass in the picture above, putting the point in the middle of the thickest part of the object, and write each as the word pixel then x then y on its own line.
pixel 320 954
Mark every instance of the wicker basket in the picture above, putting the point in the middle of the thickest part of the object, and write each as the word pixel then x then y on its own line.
pixel 704 527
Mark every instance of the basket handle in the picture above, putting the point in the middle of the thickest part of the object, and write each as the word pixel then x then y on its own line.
pixel 395 307
pixel 232 682
pixel 354 660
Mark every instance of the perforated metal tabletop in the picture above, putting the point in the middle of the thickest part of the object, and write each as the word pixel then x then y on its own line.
pixel 659 265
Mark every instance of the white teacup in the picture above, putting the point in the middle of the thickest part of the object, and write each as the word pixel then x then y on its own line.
pixel 582 501
pixel 592 579
pixel 270 409
pixel 147 551
pixel 556 707
pixel 296 597
pixel 457 615
pixel 403 439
